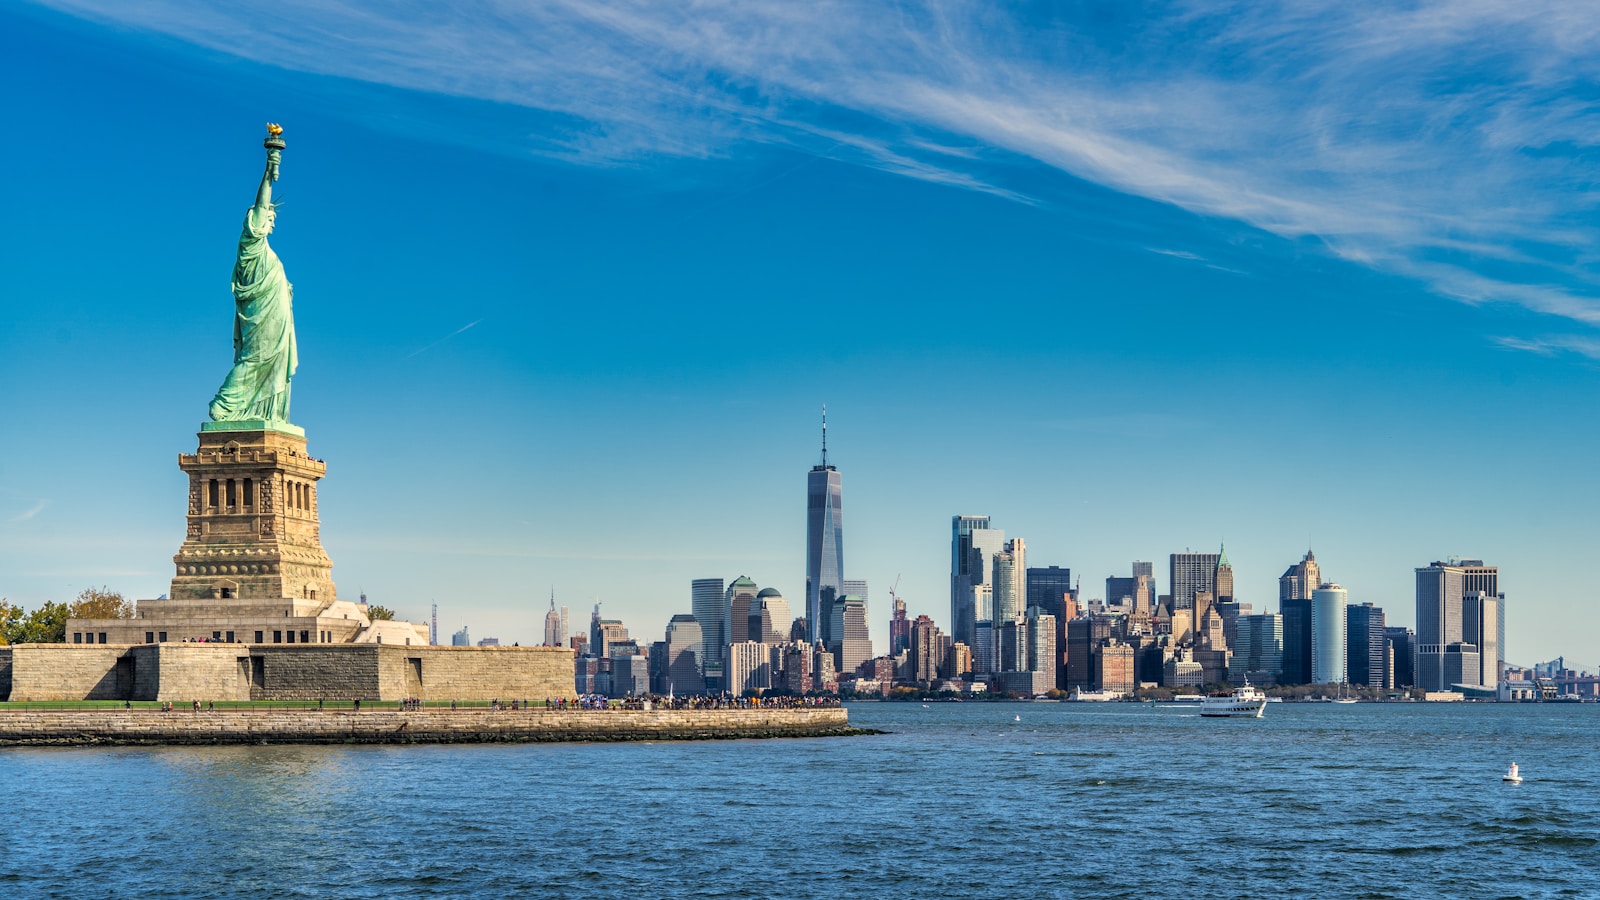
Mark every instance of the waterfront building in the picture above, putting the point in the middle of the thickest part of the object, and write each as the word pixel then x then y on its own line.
pixel 749 667
pixel 1328 604
pixel 1085 636
pixel 1402 656
pixel 1041 657
pixel 684 674
pixel 461 638
pixel 1257 650
pixel 1182 672
pixel 1460 617
pixel 972 547
pixel 1114 669
pixel 851 646
pixel 924 657
pixel 824 541
pixel 798 660
pixel 983 658
pixel 957 659
pixel 1189 573
pixel 769 617
pixel 706 599
pixel 1366 657
pixel 1295 587
pixel 489 642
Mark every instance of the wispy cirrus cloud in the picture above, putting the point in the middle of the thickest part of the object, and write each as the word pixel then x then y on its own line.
pixel 1453 143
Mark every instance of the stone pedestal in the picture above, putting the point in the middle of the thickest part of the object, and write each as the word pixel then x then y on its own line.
pixel 253 532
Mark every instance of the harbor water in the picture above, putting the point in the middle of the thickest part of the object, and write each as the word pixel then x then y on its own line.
pixel 957 800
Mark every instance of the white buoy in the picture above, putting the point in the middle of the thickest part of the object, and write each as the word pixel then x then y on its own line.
pixel 1016 718
pixel 1512 776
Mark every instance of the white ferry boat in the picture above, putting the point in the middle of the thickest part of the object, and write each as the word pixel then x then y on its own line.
pixel 1245 702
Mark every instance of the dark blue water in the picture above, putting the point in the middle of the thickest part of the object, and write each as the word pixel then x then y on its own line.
pixel 1105 800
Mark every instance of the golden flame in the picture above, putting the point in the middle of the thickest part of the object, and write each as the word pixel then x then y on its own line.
pixel 274 129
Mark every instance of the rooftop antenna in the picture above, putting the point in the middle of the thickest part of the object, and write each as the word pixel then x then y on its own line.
pixel 824 435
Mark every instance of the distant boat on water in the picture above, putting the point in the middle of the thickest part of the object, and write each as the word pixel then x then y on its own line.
pixel 1512 775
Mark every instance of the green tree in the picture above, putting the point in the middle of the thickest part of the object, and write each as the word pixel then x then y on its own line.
pixel 102 603
pixel 380 613
pixel 45 625
pixel 9 616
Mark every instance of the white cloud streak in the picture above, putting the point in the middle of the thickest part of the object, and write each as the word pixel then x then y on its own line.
pixel 1453 143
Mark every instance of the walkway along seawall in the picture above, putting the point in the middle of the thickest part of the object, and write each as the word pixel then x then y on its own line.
pixel 425 726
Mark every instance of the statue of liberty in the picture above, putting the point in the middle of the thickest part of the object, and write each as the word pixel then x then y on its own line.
pixel 264 355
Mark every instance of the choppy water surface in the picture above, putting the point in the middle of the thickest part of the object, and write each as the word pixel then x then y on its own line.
pixel 1115 800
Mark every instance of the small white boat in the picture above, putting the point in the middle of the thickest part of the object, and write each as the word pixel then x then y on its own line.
pixel 1016 718
pixel 1244 703
pixel 1511 775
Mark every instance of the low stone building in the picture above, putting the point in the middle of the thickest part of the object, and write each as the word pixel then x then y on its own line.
pixel 182 672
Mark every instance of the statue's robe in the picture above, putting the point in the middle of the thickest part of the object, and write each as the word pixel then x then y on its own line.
pixel 264 354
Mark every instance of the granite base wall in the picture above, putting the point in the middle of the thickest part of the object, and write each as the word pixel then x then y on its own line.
pixel 70 672
pixel 182 672
pixel 143 726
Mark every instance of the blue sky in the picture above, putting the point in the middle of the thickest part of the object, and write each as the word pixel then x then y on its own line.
pixel 573 281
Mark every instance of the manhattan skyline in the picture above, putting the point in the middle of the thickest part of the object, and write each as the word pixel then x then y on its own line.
pixel 620 325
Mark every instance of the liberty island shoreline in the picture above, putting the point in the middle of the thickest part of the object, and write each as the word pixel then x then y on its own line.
pixel 205 726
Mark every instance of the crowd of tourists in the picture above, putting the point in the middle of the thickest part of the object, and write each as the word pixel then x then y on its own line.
pixel 597 701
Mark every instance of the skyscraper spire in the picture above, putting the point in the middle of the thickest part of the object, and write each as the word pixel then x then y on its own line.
pixel 824 435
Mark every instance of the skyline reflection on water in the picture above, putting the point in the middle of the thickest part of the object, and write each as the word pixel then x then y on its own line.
pixel 1379 800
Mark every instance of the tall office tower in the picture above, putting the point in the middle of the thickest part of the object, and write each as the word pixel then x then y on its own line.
pixel 1041 657
pixel 1085 635
pixel 972 547
pixel 1257 649
pixel 1148 570
pixel 433 626
pixel 899 626
pixel 603 633
pixel 851 645
pixel 1010 582
pixel 739 597
pixel 1328 604
pixel 1050 589
pixel 660 682
pixel 924 658
pixel 1366 662
pixel 1294 602
pixel 769 617
pixel 1011 646
pixel 1460 613
pixel 1402 656
pixel 983 661
pixel 857 586
pixel 683 643
pixel 1224 577
pixel 1137 590
pixel 461 638
pixel 1482 617
pixel 824 541
pixel 564 634
pixel 1191 572
pixel 706 597
pixel 552 624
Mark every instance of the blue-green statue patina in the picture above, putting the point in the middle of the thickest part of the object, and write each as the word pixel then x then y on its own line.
pixel 264 356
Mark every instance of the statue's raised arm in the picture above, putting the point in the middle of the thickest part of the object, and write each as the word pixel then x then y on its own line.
pixel 264 353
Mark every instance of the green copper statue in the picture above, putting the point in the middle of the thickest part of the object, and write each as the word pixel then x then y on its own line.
pixel 264 356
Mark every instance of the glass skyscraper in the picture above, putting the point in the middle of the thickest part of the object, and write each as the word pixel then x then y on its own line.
pixel 824 542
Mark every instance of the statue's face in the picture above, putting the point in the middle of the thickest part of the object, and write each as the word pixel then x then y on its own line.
pixel 271 219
